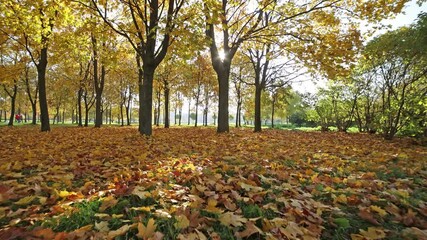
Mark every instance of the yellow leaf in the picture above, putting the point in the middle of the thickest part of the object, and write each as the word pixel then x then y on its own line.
pixel 341 199
pixel 140 192
pixel 230 218
pixel 211 207
pixel 102 226
pixel 109 201
pixel 373 233
pixel 181 222
pixel 25 200
pixel 379 210
pixel 248 187
pixel 146 232
pixel 118 232
pixel 64 193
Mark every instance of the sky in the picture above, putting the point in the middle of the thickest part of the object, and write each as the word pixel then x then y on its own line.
pixel 408 16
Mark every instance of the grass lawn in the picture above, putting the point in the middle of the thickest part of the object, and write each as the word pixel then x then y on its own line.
pixel 191 183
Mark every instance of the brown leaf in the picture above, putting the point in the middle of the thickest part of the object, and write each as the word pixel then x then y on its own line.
pixel 368 216
pixel 250 229
pixel 109 201
pixel 146 232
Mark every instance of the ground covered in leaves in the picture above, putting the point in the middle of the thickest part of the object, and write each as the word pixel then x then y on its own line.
pixel 191 183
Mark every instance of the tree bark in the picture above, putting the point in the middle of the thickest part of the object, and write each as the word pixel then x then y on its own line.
pixel 272 113
pixel 146 97
pixel 257 119
pixel 41 74
pixel 12 96
pixel 79 107
pixel 167 90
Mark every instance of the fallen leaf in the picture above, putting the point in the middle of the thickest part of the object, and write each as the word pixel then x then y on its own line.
pixel 107 202
pixel 102 226
pixel 122 230
pixel 181 222
pixel 250 229
pixel 373 233
pixel 231 219
pixel 25 200
pixel 146 232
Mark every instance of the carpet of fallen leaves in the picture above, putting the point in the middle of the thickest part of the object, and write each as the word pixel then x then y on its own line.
pixel 191 183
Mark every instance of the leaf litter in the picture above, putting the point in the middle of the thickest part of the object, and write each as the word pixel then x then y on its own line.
pixel 191 183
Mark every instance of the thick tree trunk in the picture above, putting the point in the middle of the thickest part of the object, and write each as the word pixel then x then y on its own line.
pixel 121 115
pixel 41 75
pixel 99 88
pixel 223 101
pixel 99 84
pixel 257 119
pixel 86 114
pixel 145 102
pixel 127 115
pixel 180 117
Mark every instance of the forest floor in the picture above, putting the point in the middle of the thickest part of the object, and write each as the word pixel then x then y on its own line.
pixel 191 183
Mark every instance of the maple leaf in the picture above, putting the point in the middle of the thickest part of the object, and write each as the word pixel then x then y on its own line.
pixel 211 207
pixel 107 202
pixel 373 233
pixel 146 232
pixel 122 230
pixel 181 222
pixel 379 210
pixel 102 226
pixel 292 230
pixel 229 218
pixel 250 229
pixel 365 214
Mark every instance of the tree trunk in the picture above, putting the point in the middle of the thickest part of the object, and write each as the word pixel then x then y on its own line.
pixel 79 106
pixel 86 114
pixel 189 112
pixel 223 82
pixel 257 119
pixel 121 115
pixel 99 88
pixel 166 120
pixel 127 115
pixel 197 112
pixel 272 114
pixel 145 100
pixel 99 84
pixel 12 103
pixel 180 117
pixel 41 75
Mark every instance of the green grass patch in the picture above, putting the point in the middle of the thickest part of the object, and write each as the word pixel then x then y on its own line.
pixel 83 215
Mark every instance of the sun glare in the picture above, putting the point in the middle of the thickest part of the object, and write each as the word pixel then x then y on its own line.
pixel 221 54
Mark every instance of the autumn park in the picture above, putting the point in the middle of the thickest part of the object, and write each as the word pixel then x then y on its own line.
pixel 174 119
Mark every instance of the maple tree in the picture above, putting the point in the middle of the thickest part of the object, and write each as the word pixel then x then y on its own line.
pixel 33 28
pixel 240 22
pixel 142 25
